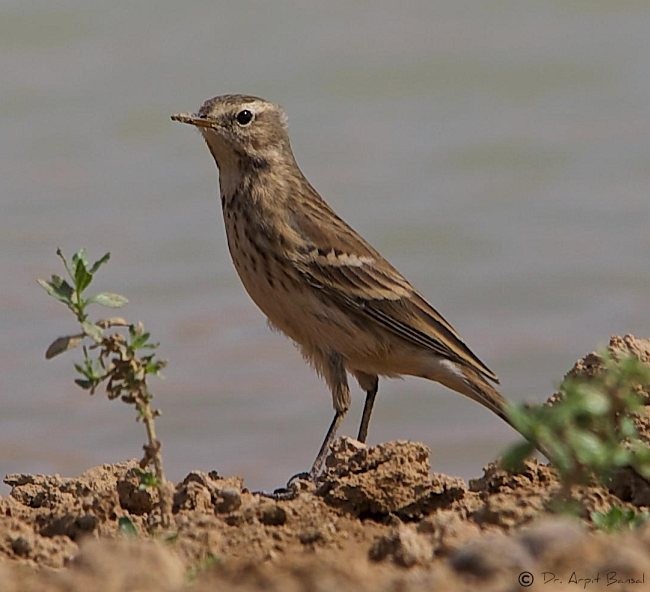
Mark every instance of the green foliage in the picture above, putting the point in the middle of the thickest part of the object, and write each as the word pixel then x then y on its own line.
pixel 617 519
pixel 147 480
pixel 208 562
pixel 117 362
pixel 80 273
pixel 126 527
pixel 121 360
pixel 589 432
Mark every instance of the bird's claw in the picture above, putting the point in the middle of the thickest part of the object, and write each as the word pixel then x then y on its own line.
pixel 292 489
pixel 303 476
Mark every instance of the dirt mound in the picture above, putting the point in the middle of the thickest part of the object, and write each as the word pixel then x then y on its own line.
pixel 376 520
pixel 392 478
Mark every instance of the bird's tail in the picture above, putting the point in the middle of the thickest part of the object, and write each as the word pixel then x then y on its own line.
pixel 480 390
pixel 474 386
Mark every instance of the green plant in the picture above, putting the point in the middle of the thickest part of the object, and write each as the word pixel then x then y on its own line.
pixel 616 519
pixel 121 360
pixel 126 527
pixel 205 564
pixel 589 431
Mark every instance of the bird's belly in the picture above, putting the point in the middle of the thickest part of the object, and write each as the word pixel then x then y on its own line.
pixel 297 310
pixel 274 291
pixel 315 323
pixel 291 308
pixel 317 326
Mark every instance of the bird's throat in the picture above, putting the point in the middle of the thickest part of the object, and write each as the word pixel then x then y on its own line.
pixel 227 161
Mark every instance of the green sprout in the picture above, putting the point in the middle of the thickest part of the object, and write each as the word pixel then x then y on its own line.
pixel 588 431
pixel 126 527
pixel 122 360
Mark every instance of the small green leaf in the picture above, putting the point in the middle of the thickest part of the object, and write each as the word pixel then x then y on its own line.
pixel 83 383
pixel 594 402
pixel 561 458
pixel 93 331
pixel 521 417
pixel 80 256
pixel 90 370
pixel 139 341
pixel 600 520
pixel 513 459
pixel 621 457
pixel 82 277
pixel 643 469
pixel 617 518
pixel 63 344
pixel 587 446
pixel 640 452
pixel 46 286
pixel 627 427
pixel 147 480
pixel 81 369
pixel 154 367
pixel 58 288
pixel 99 263
pixel 127 527
pixel 62 287
pixel 109 299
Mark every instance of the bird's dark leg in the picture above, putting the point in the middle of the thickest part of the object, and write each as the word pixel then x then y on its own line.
pixel 325 446
pixel 332 368
pixel 291 491
pixel 371 393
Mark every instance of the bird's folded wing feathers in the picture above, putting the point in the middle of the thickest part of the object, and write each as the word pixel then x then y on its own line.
pixel 346 268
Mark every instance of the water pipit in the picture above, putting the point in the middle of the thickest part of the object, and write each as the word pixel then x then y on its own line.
pixel 319 282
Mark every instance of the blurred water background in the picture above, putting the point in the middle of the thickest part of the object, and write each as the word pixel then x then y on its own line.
pixel 497 152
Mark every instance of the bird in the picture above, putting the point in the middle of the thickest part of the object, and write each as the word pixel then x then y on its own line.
pixel 348 310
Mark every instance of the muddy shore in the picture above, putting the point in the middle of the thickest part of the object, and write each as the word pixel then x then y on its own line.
pixel 379 519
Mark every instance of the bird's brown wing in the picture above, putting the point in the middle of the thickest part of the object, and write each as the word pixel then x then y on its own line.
pixel 336 260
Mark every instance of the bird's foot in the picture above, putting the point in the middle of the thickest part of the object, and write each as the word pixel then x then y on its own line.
pixel 295 485
pixel 303 476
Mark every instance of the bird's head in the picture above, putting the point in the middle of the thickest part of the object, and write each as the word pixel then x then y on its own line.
pixel 242 130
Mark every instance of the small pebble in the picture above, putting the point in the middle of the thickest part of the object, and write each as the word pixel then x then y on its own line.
pixel 230 500
pixel 87 522
pixel 21 546
pixel 489 555
pixel 273 515
pixel 310 536
pixel 404 546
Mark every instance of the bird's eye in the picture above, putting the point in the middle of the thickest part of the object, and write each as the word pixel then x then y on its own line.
pixel 244 117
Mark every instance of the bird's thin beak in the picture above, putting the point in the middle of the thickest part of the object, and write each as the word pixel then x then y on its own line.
pixel 192 119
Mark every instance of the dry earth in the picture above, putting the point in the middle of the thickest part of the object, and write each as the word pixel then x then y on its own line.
pixel 378 520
